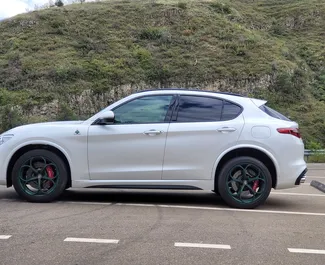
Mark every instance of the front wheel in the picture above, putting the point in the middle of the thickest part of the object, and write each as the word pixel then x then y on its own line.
pixel 39 176
pixel 244 182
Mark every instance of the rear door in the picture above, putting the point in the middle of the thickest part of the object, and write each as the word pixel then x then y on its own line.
pixel 201 129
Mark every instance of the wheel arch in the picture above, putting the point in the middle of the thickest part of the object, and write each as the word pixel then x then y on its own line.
pixel 256 152
pixel 32 146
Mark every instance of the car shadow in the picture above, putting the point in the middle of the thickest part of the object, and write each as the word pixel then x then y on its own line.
pixel 166 197
pixel 198 198
pixel 162 197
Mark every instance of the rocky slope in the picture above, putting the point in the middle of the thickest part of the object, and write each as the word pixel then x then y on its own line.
pixel 69 62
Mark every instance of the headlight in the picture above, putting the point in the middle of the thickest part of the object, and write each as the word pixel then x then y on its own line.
pixel 4 138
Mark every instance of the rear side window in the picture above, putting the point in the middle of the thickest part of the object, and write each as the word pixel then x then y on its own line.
pixel 273 113
pixel 205 109
pixel 199 109
pixel 230 111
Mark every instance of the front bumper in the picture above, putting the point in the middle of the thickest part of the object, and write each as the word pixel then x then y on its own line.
pixel 302 177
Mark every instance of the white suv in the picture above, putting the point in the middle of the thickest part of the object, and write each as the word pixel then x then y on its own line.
pixel 161 139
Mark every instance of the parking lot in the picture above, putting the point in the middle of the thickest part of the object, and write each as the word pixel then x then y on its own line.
pixel 164 227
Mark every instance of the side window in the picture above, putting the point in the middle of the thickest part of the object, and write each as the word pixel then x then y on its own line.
pixel 149 109
pixel 199 109
pixel 230 111
pixel 273 113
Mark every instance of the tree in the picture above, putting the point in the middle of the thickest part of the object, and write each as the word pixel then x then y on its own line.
pixel 59 3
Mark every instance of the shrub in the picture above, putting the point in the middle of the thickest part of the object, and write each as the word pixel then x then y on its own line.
pixel 59 3
pixel 278 28
pixel 144 56
pixel 318 158
pixel 221 8
pixel 182 5
pixel 312 145
pixel 65 113
pixel 10 118
pixel 291 86
pixel 151 34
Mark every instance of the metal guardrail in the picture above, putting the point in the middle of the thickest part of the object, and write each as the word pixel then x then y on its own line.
pixel 313 152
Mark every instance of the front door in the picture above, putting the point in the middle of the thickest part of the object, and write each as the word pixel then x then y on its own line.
pixel 133 147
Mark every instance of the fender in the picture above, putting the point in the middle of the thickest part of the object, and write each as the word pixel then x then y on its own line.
pixel 35 142
pixel 243 146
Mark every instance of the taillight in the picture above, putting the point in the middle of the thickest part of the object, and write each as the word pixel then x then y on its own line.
pixel 292 131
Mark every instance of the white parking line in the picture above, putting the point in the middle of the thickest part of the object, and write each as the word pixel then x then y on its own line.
pixel 220 209
pixel 196 245
pixel 5 236
pixel 91 240
pixel 306 251
pixel 297 194
pixel 204 208
pixel 85 203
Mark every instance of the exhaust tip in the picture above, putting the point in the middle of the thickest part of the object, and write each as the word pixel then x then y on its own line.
pixel 302 180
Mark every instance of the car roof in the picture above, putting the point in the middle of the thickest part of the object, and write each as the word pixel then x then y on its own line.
pixel 190 90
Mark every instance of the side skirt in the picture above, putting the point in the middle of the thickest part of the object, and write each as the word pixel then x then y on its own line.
pixel 161 187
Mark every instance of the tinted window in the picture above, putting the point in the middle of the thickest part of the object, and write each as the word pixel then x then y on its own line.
pixel 199 109
pixel 273 113
pixel 230 111
pixel 151 109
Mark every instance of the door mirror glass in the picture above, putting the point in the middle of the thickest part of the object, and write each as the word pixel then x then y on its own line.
pixel 106 118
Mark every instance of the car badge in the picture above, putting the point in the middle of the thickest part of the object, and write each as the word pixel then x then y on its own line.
pixel 77 132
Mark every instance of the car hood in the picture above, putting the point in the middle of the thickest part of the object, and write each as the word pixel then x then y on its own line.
pixel 42 124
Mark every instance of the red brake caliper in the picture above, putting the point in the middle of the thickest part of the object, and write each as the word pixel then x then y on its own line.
pixel 255 185
pixel 50 174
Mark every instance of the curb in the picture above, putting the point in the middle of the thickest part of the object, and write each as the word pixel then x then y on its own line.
pixel 318 185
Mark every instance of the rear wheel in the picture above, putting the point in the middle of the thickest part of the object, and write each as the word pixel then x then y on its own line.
pixel 244 182
pixel 39 176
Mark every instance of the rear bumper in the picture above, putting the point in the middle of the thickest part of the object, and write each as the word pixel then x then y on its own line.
pixel 291 175
pixel 302 177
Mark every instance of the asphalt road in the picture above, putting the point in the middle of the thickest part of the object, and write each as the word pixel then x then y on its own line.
pixel 163 227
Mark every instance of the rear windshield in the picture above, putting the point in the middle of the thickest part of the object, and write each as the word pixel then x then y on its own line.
pixel 273 113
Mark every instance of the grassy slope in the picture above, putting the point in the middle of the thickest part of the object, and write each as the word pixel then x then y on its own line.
pixel 52 53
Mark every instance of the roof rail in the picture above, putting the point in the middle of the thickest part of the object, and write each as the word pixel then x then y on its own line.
pixel 194 90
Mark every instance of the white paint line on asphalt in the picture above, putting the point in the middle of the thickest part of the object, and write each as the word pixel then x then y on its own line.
pixel 199 207
pixel 86 203
pixel 5 236
pixel 297 194
pixel 306 251
pixel 91 240
pixel 221 209
pixel 196 245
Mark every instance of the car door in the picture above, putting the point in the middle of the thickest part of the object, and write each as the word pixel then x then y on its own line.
pixel 200 130
pixel 133 147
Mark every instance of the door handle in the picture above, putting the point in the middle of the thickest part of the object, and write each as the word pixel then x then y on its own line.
pixel 226 129
pixel 152 132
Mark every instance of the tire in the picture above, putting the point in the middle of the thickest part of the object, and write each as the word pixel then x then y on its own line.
pixel 39 176
pixel 244 182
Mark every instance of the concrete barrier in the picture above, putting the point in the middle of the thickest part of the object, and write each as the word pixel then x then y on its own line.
pixel 318 185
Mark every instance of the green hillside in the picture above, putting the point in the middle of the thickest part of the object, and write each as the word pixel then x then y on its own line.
pixel 69 62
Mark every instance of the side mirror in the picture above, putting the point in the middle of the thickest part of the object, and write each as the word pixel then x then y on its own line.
pixel 107 118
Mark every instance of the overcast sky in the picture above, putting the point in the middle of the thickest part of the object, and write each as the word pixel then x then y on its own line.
pixel 9 8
